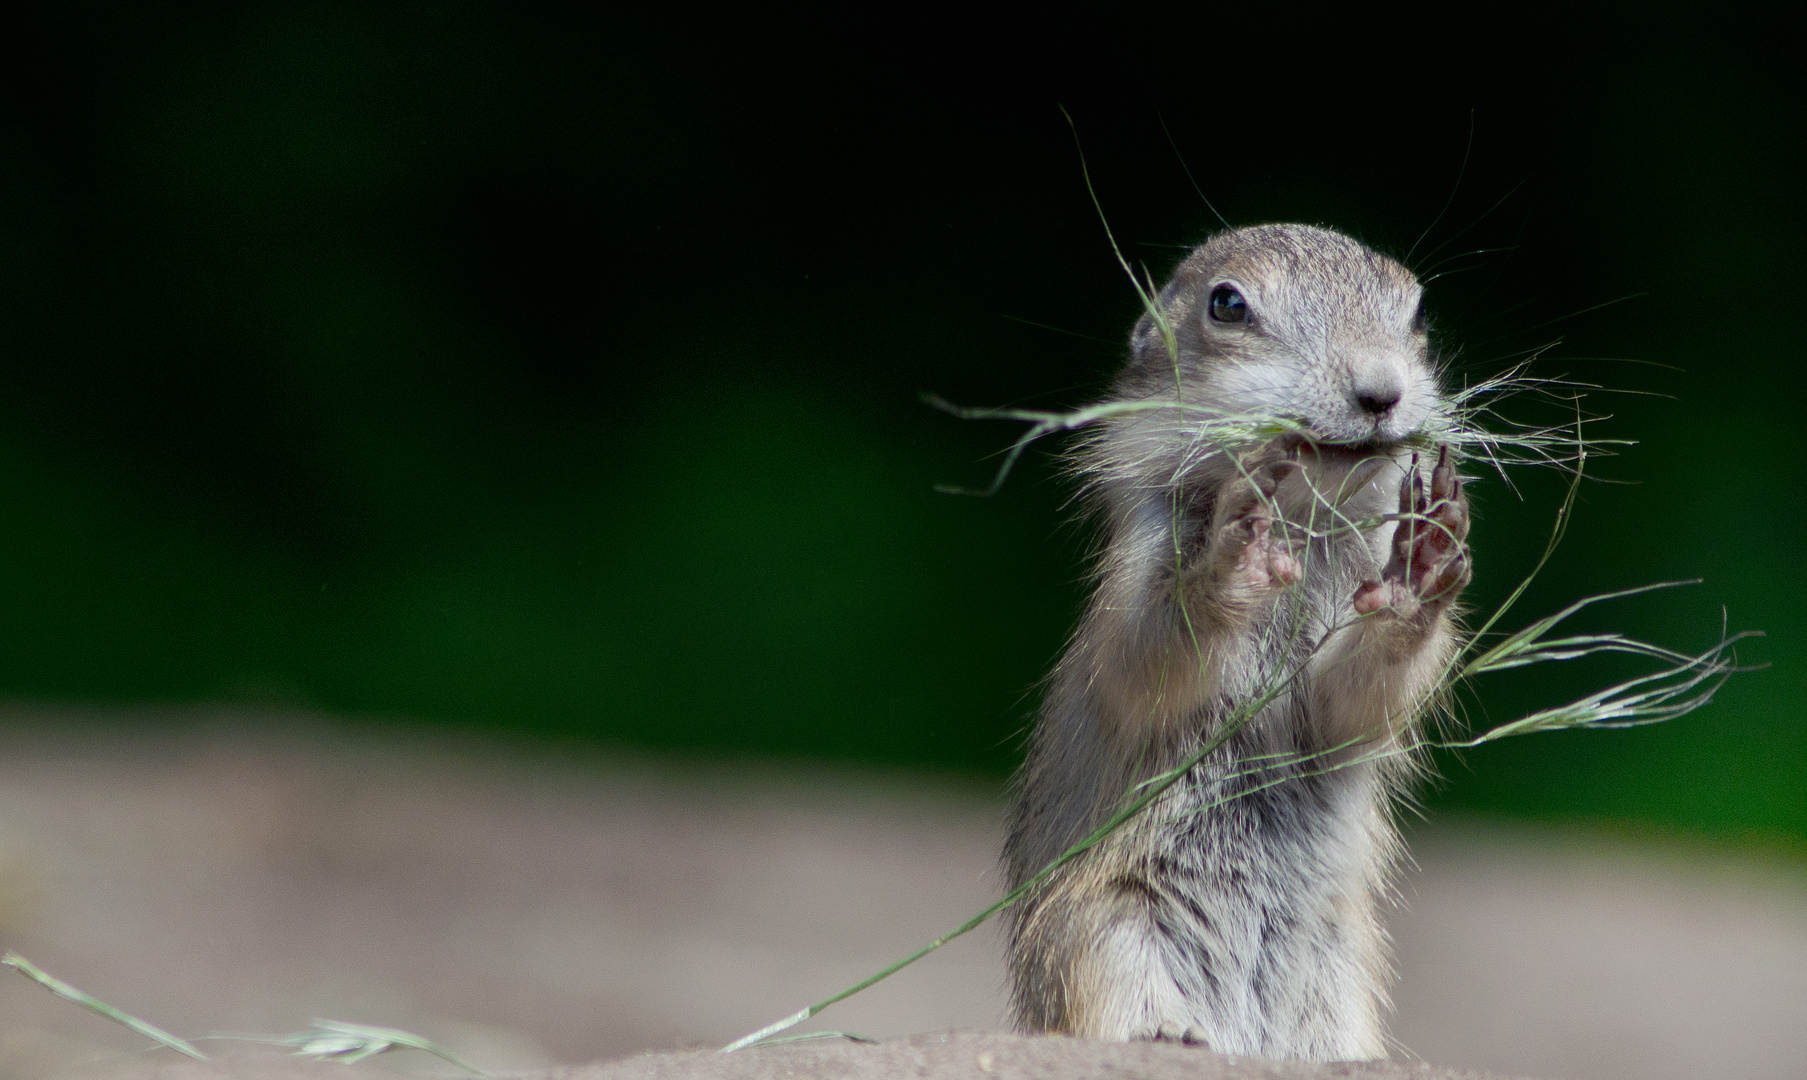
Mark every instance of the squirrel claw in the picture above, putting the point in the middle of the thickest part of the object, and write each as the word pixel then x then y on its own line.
pixel 1170 1032
pixel 1429 562
pixel 1245 549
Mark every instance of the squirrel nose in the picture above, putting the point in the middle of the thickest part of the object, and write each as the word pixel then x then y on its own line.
pixel 1377 402
pixel 1376 394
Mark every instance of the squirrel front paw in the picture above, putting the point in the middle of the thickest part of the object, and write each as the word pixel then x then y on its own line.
pixel 1247 559
pixel 1429 563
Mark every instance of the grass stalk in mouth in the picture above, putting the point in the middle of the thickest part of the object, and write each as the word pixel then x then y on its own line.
pixel 1682 682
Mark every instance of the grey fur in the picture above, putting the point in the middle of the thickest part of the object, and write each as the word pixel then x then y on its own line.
pixel 1235 911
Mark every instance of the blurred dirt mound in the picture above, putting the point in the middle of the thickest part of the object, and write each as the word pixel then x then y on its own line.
pixel 531 907
pixel 958 1055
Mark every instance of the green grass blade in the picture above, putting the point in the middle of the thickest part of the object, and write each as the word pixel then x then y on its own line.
pixel 811 1036
pixel 93 1004
pixel 348 1044
pixel 801 1015
pixel 1495 658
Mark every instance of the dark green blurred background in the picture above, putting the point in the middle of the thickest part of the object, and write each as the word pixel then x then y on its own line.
pixel 557 372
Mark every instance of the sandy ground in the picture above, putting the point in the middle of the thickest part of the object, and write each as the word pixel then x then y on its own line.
pixel 948 1055
pixel 530 909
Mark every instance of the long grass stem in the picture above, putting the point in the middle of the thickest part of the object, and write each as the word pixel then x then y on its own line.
pixel 1685 684
pixel 93 1004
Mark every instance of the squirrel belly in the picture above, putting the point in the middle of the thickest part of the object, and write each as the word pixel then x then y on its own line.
pixel 1285 602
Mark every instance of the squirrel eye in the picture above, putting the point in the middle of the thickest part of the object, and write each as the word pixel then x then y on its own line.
pixel 1228 306
pixel 1419 322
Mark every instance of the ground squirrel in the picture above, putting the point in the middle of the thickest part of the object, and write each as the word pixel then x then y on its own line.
pixel 1238 911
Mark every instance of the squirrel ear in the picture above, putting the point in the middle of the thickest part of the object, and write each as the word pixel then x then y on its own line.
pixel 1141 335
pixel 1145 339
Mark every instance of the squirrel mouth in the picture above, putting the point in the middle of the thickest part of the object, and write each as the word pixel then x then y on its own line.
pixel 1342 451
pixel 1342 468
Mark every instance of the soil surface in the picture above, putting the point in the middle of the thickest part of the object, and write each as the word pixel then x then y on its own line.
pixel 528 909
pixel 954 1055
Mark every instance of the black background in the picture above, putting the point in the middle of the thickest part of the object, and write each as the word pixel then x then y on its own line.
pixel 557 370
